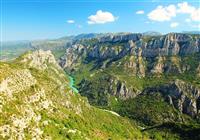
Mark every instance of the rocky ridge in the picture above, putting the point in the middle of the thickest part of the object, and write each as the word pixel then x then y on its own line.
pixel 139 56
pixel 183 96
pixel 40 59
pixel 144 49
pixel 113 86
pixel 36 102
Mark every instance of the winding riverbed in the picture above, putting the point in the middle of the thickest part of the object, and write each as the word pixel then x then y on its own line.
pixel 71 84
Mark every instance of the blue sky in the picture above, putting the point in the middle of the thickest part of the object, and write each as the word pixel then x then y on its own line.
pixel 42 19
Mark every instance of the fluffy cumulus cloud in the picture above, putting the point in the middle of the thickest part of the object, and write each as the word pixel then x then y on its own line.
pixel 162 13
pixel 140 12
pixel 195 16
pixel 174 24
pixel 70 21
pixel 101 17
pixel 185 8
pixel 166 13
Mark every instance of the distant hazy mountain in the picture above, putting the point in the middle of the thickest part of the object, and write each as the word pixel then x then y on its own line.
pixel 86 36
pixel 152 33
pixel 191 32
pixel 12 49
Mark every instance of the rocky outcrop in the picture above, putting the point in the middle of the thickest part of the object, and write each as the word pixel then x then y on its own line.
pixel 123 37
pixel 105 87
pixel 17 82
pixel 171 44
pixel 141 56
pixel 198 71
pixel 105 50
pixel 174 65
pixel 120 89
pixel 158 66
pixel 36 103
pixel 170 65
pixel 73 56
pixel 39 59
pixel 136 64
pixel 183 96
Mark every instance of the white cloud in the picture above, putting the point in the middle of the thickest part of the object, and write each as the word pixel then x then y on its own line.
pixel 70 21
pixel 140 12
pixel 174 24
pixel 195 16
pixel 101 18
pixel 162 13
pixel 166 13
pixel 185 8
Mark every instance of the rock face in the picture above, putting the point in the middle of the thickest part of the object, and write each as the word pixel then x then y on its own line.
pixel 119 89
pixel 111 87
pixel 171 44
pixel 110 48
pixel 168 65
pixel 183 96
pixel 198 71
pixel 139 56
pixel 160 45
pixel 73 54
pixel 136 64
pixel 39 59
pixel 158 67
pixel 37 103
pixel 17 82
pixel 123 37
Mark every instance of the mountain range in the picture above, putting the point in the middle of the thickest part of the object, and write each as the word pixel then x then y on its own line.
pixel 103 86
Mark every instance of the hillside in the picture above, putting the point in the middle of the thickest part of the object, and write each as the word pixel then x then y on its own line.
pixel 153 80
pixel 36 102
pixel 13 49
pixel 109 86
pixel 133 61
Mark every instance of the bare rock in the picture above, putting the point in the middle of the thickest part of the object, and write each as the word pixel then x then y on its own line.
pixel 40 59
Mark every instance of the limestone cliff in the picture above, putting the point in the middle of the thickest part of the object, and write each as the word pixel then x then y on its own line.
pixel 36 102
pixel 149 52
pixel 183 96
